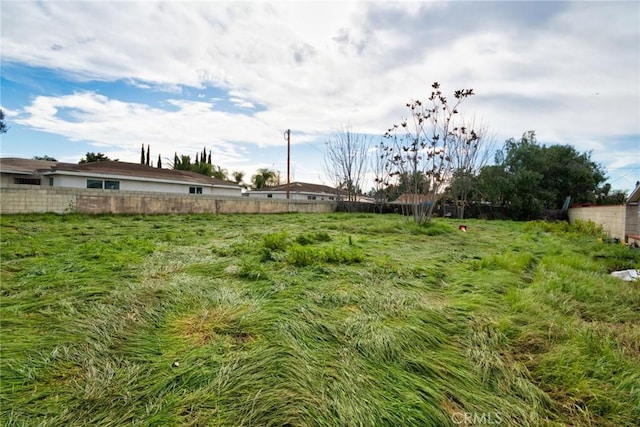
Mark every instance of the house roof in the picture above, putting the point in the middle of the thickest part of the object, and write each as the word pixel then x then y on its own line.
pixel 109 168
pixel 302 187
pixel 634 197
pixel 24 166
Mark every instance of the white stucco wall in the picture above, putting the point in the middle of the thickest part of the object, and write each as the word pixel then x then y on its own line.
pixel 8 180
pixel 68 181
pixel 292 196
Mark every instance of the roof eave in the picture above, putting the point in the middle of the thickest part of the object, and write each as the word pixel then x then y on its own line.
pixel 135 178
pixel 634 197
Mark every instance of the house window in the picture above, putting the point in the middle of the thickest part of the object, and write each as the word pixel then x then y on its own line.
pixel 106 184
pixel 27 181
pixel 51 182
pixel 111 185
pixel 270 196
pixel 311 197
pixel 94 183
pixel 195 190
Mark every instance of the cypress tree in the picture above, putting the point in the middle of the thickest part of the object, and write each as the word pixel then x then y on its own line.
pixel 142 155
pixel 148 152
pixel 159 162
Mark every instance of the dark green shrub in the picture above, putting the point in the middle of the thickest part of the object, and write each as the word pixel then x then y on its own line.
pixel 301 256
pixel 275 241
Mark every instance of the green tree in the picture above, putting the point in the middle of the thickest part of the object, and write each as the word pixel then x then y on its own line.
pixel 523 162
pixel 264 177
pixel 238 176
pixel 218 172
pixel 606 197
pixel 493 185
pixel 182 162
pixel 201 166
pixel 3 125
pixel 530 177
pixel 202 169
pixel 570 173
pixel 45 157
pixel 91 157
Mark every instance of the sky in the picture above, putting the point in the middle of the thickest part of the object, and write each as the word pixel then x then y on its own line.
pixel 179 76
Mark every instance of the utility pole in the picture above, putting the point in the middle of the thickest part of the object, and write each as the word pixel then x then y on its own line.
pixel 287 137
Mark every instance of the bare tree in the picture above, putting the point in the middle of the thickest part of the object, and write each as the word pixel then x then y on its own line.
pixel 345 161
pixel 472 145
pixel 383 174
pixel 420 148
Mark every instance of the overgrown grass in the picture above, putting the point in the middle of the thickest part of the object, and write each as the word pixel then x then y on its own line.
pixel 319 320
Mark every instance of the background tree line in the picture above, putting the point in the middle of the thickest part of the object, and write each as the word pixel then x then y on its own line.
pixel 528 178
pixel 436 155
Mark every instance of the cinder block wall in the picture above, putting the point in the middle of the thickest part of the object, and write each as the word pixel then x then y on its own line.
pixel 35 200
pixel 613 219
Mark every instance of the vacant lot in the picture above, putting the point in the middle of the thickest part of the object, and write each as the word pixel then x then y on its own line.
pixel 301 320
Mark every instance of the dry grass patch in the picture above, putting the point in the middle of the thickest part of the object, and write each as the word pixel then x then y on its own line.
pixel 215 324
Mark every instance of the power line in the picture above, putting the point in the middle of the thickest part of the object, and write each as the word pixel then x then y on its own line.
pixel 631 167
pixel 623 176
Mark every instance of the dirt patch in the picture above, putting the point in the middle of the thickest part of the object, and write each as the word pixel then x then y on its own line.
pixel 213 324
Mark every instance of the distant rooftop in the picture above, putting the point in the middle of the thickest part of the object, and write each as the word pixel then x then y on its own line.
pixel 107 167
pixel 302 187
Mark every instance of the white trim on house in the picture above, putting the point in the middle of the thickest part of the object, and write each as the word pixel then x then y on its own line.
pixel 299 191
pixel 135 178
pixel 124 177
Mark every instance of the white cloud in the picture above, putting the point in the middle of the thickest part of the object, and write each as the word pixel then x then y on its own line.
pixel 106 122
pixel 312 66
pixel 242 103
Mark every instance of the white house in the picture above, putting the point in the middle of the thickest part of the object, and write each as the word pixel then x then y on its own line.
pixel 299 191
pixel 110 176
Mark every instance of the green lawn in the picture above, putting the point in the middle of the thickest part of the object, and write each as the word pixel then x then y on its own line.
pixel 314 320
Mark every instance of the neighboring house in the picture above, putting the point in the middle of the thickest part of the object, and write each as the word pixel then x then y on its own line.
pixel 632 231
pixel 110 176
pixel 15 171
pixel 299 191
